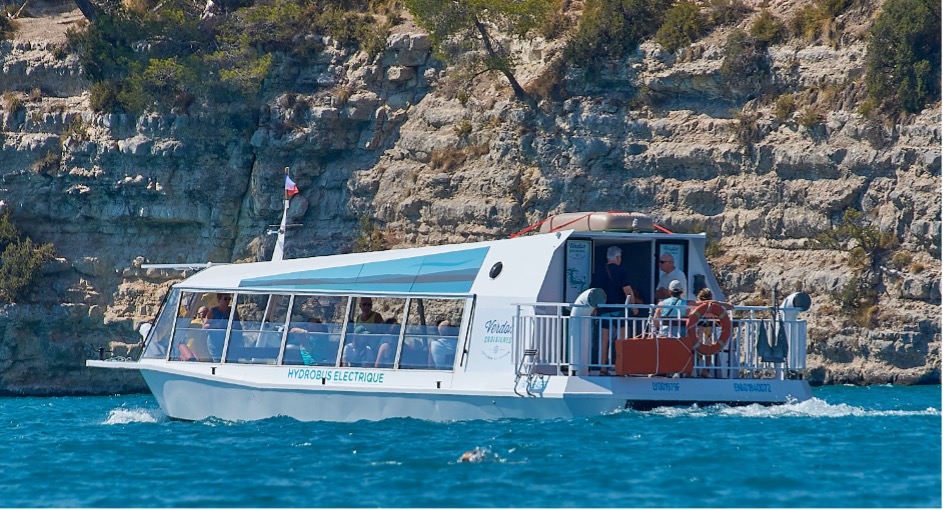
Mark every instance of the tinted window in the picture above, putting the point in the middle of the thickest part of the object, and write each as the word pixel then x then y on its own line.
pixel 431 334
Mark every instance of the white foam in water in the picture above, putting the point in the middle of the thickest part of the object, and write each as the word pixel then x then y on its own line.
pixel 121 416
pixel 813 407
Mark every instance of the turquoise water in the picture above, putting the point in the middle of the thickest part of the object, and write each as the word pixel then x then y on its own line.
pixel 876 446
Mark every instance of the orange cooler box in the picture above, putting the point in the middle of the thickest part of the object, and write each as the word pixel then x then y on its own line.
pixel 648 356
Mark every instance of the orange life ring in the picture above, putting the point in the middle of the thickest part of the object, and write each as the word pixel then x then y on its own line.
pixel 702 310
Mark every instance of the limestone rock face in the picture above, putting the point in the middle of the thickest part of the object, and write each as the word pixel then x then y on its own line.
pixel 428 159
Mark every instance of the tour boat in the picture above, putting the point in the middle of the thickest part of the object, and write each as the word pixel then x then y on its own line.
pixel 507 328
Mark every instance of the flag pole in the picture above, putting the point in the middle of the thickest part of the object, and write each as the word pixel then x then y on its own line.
pixel 279 252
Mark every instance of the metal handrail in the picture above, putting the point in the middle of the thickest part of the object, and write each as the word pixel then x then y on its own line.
pixel 549 328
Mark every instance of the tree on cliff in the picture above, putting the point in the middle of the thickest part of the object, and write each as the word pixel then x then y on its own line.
pixel 467 32
pixel 21 261
pixel 903 61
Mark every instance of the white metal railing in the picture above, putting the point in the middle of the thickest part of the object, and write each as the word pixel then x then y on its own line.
pixel 568 344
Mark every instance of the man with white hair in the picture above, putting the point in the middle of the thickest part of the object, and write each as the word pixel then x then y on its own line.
pixel 614 280
pixel 666 264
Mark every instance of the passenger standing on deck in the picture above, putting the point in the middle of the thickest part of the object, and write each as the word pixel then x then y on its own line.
pixel 614 280
pixel 217 319
pixel 666 264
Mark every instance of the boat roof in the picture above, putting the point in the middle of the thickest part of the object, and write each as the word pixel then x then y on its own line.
pixel 455 269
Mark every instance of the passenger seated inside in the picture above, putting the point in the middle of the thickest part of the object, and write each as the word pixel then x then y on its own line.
pixel 415 354
pixel 442 349
pixel 196 338
pixel 310 344
pixel 217 318
pixel 367 315
pixel 357 352
pixel 386 353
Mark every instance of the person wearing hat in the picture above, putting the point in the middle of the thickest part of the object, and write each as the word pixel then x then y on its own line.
pixel 672 312
pixel 666 265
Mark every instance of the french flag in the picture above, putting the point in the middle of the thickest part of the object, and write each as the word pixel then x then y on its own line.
pixel 291 189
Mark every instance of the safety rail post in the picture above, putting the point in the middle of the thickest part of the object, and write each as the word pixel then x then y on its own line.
pixel 516 345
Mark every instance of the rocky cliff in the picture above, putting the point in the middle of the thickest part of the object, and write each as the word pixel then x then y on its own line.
pixel 428 159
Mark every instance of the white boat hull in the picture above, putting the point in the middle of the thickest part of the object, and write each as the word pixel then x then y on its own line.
pixel 191 392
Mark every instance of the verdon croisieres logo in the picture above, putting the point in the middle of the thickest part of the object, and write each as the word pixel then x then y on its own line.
pixel 497 342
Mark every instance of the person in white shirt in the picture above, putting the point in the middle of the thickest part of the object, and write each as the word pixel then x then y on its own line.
pixel 666 263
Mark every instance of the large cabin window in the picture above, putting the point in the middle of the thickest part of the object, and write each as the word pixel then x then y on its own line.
pixel 257 328
pixel 314 332
pixel 372 335
pixel 431 334
pixel 189 342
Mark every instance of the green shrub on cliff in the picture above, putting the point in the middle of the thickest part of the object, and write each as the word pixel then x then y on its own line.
pixel 683 25
pixel 103 96
pixel 611 29
pixel 168 54
pixel 746 66
pixel 159 83
pixel 21 261
pixel 768 28
pixel 903 60
pixel 726 12
pixel 817 19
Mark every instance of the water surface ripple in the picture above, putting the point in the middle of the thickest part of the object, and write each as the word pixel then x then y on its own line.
pixel 876 446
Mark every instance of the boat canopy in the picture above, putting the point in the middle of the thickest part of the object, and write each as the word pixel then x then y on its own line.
pixel 520 265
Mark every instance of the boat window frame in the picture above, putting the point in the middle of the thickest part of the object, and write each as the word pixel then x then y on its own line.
pixel 468 315
pixel 402 335
pixel 469 300
pixel 232 314
pixel 285 328
pixel 344 325
pixel 171 301
pixel 177 318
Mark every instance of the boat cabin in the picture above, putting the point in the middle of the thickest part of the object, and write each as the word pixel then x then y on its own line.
pixel 505 306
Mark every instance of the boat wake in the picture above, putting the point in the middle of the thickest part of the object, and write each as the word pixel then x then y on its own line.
pixel 812 408
pixel 121 416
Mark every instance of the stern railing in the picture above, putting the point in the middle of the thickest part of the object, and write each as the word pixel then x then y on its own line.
pixel 570 344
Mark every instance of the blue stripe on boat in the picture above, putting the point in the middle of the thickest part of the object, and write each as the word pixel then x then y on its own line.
pixel 449 272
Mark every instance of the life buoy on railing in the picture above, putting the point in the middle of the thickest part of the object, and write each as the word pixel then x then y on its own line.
pixel 714 310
